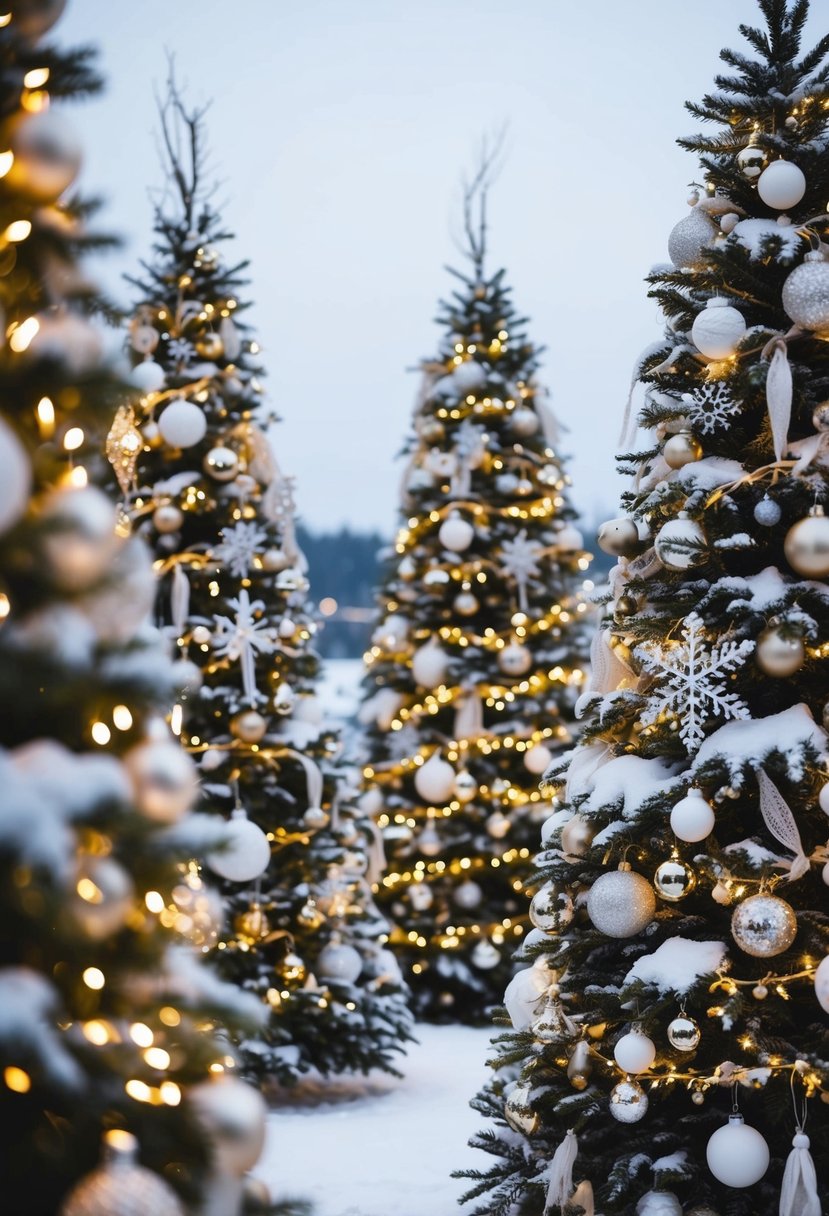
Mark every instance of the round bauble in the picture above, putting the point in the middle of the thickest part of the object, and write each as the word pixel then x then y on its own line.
pixel 468 895
pixel 187 676
pixel 221 463
pixel 79 538
pixel 248 726
pixel 431 430
pixel 144 339
pixel 692 819
pixel 551 910
pixel 465 604
pixel 484 955
pixel 626 605
pixel 718 330
pixel 275 560
pixel 498 825
pixel 737 1154
pixel 182 424
pixel 767 512
pixel 807 545
pixel 163 779
pixel 635 1052
pixel 167 518
pixel 751 161
pixel 681 449
pixel 15 477
pixel 683 1033
pixel 430 664
pixel 340 962
pixel 674 879
pixel 47 155
pixel 569 539
pixel 315 818
pixel 435 780
pixel 618 537
pixel 577 836
pixel 680 543
pixel 690 238
pixel 103 896
pixel 537 759
pixel 820 416
pixel 781 185
pixel 467 377
pixel 778 655
pixel 524 994
pixel 822 984
pixel 659 1203
pixel 420 896
pixel 524 422
pixel 148 376
pixel 515 659
pixel 407 569
pixel 621 903
pixel 32 18
pixel 233 1115
pixel 628 1102
pixel 257 1198
pixel 245 852
pixel 210 346
pixel 465 787
pixel 763 925
pixel 823 798
pixel 120 1186
pixel 429 842
pixel 456 533
pixel 806 294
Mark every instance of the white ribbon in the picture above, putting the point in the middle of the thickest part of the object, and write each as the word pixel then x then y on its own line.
pixel 586 760
pixel 779 396
pixel 469 715
pixel 780 821
pixel 606 670
pixel 798 1196
pixel 560 1186
pixel 179 598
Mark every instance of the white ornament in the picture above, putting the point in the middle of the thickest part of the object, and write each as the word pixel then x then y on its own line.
pixel 468 895
pixel 182 424
pixel 689 239
pixel 440 464
pixel 806 294
pixel 718 330
pixel 781 185
pixel 484 955
pixel 435 780
pixel 635 1052
pixel 79 538
pixel 429 664
pixel 163 779
pixel 240 545
pixel 233 1115
pixel 119 1186
pixel 246 853
pixel 242 638
pixel 465 786
pixel 822 984
pixel 711 406
pixel 537 759
pixel 823 798
pixel 524 422
pixel 420 896
pixel 618 537
pixel 467 377
pixel 148 376
pixel 659 1203
pixel 576 836
pixel 737 1154
pixel 519 561
pixel 692 818
pixel 621 903
pixel 456 533
pixel 515 659
pixel 525 992
pixel 15 477
pixel 569 539
pixel 339 961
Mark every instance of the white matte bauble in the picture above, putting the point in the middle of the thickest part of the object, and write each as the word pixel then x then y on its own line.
pixel 680 543
pixel 429 842
pixel 245 852
pixel 120 1186
pixel 718 330
pixel 628 1102
pixel 466 604
pixel 737 1154
pixel 635 1052
pixel 456 533
pixel 163 778
pixel 618 537
pixel 468 895
pixel 339 961
pixel 465 786
pixel 148 376
pixel 440 464
pixel 435 780
pixel 576 836
pixel 79 538
pixel 498 825
pixel 807 545
pixel 763 925
pixel 779 656
pixel 537 759
pixel 233 1115
pixel 103 896
pixel 823 798
pixel 551 910
pixel 467 377
pixel 47 155
pixel 689 238
pixel 822 984
pixel 167 518
pixel 420 896
pixel 621 903
pixel 806 294
pixel 15 477
pixel 484 955
pixel 692 819
pixel 515 659
pixel 569 539
pixel 781 185
pixel 248 726
pixel 681 449
pixel 430 664
pixel 524 422
pixel 182 424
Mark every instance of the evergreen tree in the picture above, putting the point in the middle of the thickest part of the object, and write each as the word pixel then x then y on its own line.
pixel 674 1035
pixel 474 667
pixel 108 1024
pixel 302 930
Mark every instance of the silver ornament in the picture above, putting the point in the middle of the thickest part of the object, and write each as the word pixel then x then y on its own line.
pixel 465 787
pixel 806 294
pixel 497 825
pixel 167 518
pixel 120 1186
pixel 524 421
pixel 767 512
pixel 751 161
pixel 674 879
pixel 680 543
pixel 763 925
pixel 683 1033
pixel 233 1116
pixel 466 604
pixel 628 1102
pixel 618 537
pixel 777 655
pixel 681 449
pixel 515 659
pixel 221 463
pixel 807 544
pixel 485 956
pixel 249 726
pixel 580 1065
pixel 576 836
pixel 468 895
pixel 551 910
pixel 689 238
pixel 621 903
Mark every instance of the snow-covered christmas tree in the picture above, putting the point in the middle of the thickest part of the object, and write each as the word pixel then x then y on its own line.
pixel 301 929
pixel 670 1050
pixel 109 1023
pixel 476 662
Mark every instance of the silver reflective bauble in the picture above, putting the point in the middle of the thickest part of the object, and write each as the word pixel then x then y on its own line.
pixel 751 161
pixel 683 1033
pixel 763 925
pixel 551 910
pixel 674 879
pixel 628 1102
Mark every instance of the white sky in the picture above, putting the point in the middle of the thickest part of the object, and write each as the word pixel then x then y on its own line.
pixel 340 129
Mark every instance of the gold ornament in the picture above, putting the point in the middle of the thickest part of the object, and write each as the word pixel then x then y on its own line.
pixel 252 925
pixel 249 726
pixel 626 605
pixel 681 449
pixel 210 346
pixel 124 445
pixel 807 545
pixel 221 463
pixel 310 916
pixel 778 655
pixel 167 518
pixel 291 967
pixel 618 537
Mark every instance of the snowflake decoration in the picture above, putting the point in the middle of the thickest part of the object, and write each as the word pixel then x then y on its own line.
pixel 710 406
pixel 181 351
pixel 519 561
pixel 242 639
pixel 239 547
pixel 692 676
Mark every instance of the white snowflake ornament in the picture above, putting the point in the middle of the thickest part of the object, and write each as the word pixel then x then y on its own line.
pixel 710 407
pixel 242 638
pixel 239 546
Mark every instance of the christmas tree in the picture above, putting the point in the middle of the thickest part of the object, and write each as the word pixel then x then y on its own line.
pixel 474 667
pixel 670 1043
pixel 108 1022
pixel 302 930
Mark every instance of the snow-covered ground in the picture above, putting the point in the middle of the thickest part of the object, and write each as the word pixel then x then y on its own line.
pixel 378 1146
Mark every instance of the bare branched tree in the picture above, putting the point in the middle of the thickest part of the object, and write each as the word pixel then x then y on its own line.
pixel 475 191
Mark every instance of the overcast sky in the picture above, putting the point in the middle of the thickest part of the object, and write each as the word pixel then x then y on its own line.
pixel 340 129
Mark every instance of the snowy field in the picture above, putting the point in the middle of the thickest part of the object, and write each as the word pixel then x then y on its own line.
pixel 378 1146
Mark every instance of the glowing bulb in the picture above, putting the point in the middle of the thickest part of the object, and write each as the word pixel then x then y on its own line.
pixel 45 411
pixel 169 1016
pixel 17 1080
pixel 20 336
pixel 18 230
pixel 154 901
pixel 101 733
pixel 170 1093
pixel 73 439
pixel 141 1035
pixel 94 978
pixel 36 78
pixel 122 717
pixel 157 1057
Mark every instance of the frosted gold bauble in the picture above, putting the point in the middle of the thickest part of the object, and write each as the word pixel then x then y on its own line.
pixel 221 463
pixel 210 346
pixel 249 726
pixel 681 449
pixel 807 545
pixel 779 656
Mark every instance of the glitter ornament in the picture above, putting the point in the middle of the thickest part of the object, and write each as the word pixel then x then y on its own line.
pixel 781 185
pixel 435 780
pixel 467 377
pixel 674 879
pixel 763 925
pixel 718 330
pixel 618 537
pixel 777 655
pixel 551 910
pixel 537 759
pixel 485 956
pixel 465 786
pixel 683 1033
pixel 680 543
pixel 807 544
pixel 515 659
pixel 628 1102
pixel 182 424
pixel 737 1154
pixel 690 238
pixel 635 1052
pixel 659 1203
pixel 524 421
pixel 806 294
pixel 681 449
pixel 245 853
pixel 456 533
pixel 822 984
pixel 621 903
pixel 751 161
pixel 767 512
pixel 339 961
pixel 221 463
pixel 119 1186
pixel 692 819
